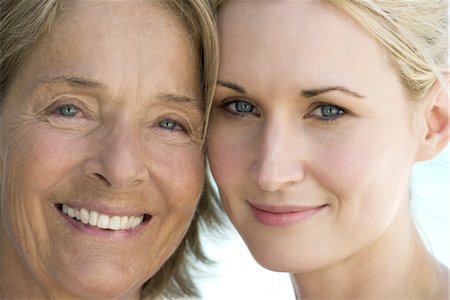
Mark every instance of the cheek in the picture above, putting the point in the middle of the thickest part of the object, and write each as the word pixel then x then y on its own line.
pixel 228 161
pixel 180 182
pixel 230 150
pixel 359 170
pixel 180 172
pixel 42 158
pixel 34 161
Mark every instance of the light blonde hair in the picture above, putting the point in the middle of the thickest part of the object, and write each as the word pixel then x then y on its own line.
pixel 414 33
pixel 24 22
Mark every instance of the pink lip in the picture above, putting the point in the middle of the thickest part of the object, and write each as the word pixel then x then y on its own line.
pixel 275 215
pixel 101 233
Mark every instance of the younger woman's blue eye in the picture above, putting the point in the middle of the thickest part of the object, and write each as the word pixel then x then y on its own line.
pixel 243 107
pixel 68 110
pixel 327 112
pixel 331 111
pixel 240 107
pixel 168 124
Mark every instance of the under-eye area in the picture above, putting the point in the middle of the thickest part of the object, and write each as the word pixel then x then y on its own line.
pixel 106 222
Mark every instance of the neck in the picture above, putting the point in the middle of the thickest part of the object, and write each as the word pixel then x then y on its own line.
pixel 395 266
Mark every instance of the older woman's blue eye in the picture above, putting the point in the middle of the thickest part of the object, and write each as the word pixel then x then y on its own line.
pixel 243 107
pixel 68 110
pixel 168 124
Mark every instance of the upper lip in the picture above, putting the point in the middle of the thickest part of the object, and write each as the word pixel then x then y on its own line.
pixel 282 208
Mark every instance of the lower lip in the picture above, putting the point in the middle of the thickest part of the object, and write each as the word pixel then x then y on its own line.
pixel 102 233
pixel 282 219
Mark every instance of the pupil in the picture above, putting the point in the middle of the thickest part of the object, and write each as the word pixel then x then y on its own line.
pixel 167 124
pixel 68 110
pixel 330 111
pixel 243 107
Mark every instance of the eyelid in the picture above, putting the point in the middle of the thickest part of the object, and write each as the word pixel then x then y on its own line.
pixel 180 121
pixel 226 102
pixel 317 105
pixel 68 101
pixel 229 100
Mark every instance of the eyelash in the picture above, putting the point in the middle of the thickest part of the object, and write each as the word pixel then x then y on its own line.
pixel 226 105
pixel 179 126
pixel 58 111
pixel 341 112
pixel 79 113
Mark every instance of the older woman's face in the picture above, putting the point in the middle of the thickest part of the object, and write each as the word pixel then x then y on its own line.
pixel 100 148
pixel 311 140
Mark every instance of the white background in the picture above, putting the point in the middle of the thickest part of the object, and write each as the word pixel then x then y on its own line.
pixel 237 276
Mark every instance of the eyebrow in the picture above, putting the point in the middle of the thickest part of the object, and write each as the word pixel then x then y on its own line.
pixel 232 86
pixel 309 93
pixel 314 92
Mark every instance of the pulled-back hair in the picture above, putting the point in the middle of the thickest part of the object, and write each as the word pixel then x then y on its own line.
pixel 415 34
pixel 24 22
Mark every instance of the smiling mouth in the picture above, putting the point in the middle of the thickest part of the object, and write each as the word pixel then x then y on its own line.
pixel 102 221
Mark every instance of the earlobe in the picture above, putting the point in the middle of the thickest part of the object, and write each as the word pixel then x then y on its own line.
pixel 437 124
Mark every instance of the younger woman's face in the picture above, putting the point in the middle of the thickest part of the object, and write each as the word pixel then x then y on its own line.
pixel 312 137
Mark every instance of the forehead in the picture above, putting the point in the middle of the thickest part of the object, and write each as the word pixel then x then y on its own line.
pixel 118 43
pixel 303 38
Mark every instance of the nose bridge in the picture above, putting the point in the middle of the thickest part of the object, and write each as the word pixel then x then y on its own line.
pixel 278 161
pixel 119 161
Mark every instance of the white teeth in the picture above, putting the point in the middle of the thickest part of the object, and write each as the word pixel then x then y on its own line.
pixel 124 222
pixel 102 221
pixel 130 222
pixel 93 216
pixel 70 212
pixel 77 214
pixel 114 223
pixel 138 221
pixel 84 215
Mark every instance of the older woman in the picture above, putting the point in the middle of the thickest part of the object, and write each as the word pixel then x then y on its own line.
pixel 101 162
pixel 322 109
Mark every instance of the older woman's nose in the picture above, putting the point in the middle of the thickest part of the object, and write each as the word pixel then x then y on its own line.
pixel 119 160
pixel 278 162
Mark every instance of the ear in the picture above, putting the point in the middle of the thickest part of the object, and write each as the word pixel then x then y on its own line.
pixel 436 135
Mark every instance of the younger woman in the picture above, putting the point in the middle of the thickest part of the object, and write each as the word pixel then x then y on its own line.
pixel 321 110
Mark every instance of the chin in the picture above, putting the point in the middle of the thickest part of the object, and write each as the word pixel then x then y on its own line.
pixel 103 282
pixel 286 265
pixel 286 259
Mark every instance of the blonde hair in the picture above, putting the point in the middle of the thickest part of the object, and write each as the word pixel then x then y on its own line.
pixel 24 22
pixel 414 32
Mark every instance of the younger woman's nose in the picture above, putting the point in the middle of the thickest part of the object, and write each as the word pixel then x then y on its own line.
pixel 278 159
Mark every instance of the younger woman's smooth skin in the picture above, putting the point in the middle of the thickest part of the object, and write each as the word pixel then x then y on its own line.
pixel 312 141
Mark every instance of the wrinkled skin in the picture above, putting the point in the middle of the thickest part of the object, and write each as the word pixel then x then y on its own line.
pixel 104 113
